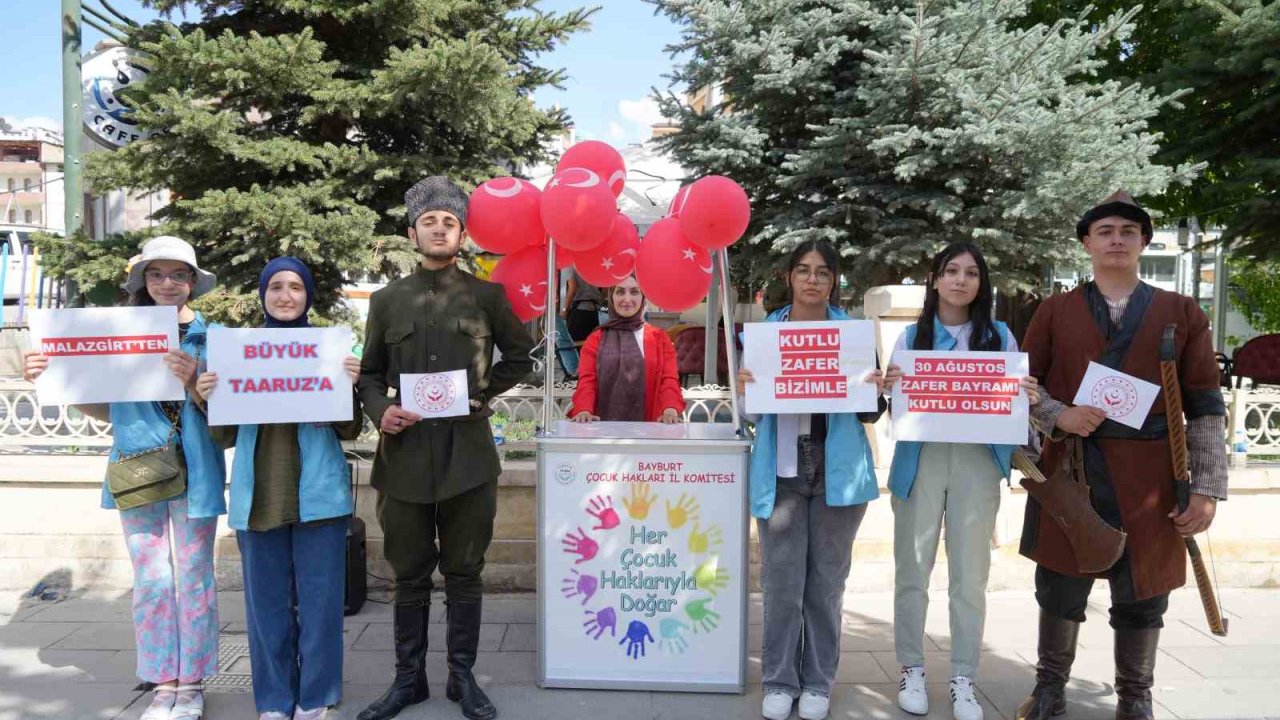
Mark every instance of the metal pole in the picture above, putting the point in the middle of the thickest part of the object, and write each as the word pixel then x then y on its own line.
pixel 72 171
pixel 549 341
pixel 1220 300
pixel 711 346
pixel 730 346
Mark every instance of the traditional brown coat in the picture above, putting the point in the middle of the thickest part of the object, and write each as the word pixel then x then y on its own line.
pixel 1133 467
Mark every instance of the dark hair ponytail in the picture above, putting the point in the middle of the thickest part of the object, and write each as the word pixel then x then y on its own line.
pixel 984 335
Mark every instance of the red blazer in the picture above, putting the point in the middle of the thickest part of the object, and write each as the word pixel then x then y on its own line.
pixel 661 383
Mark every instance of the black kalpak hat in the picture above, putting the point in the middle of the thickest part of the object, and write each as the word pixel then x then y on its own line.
pixel 1120 204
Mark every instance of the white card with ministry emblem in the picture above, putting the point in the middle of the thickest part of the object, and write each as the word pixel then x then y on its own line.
pixel 435 395
pixel 1124 398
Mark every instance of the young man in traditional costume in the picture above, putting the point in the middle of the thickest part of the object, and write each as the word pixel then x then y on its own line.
pixel 1118 321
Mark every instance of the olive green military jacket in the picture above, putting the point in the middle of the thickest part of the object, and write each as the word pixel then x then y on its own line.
pixel 436 321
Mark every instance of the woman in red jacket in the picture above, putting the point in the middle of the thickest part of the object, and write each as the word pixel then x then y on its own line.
pixel 627 369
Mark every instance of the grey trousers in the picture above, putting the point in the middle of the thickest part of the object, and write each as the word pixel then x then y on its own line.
pixel 805 547
pixel 957 485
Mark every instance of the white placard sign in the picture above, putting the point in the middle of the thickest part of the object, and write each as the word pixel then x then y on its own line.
pixel 810 367
pixel 435 395
pixel 642 568
pixel 102 355
pixel 1124 398
pixel 280 375
pixel 960 397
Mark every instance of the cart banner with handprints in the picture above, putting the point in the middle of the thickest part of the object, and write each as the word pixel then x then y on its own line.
pixel 810 367
pixel 960 397
pixel 280 375
pixel 102 355
pixel 643 563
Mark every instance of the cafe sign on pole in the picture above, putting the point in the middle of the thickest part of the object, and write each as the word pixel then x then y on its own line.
pixel 108 118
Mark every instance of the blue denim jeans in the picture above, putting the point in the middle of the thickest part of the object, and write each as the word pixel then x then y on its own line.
pixel 294 580
pixel 805 546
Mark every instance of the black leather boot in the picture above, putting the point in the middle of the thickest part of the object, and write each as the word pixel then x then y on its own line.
pixel 1135 673
pixel 464 640
pixel 1057 651
pixel 410 685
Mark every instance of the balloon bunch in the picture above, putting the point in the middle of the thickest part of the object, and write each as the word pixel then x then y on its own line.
pixel 674 264
pixel 578 208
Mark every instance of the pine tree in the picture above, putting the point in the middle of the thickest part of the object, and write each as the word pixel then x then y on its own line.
pixel 893 130
pixel 295 126
pixel 1225 57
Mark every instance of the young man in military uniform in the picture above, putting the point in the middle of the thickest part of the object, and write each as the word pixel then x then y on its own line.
pixel 437 479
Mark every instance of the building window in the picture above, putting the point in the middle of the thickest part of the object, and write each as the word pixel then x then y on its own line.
pixel 1158 268
pixel 26 216
pixel 26 184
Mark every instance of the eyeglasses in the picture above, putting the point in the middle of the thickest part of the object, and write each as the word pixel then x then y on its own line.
pixel 180 277
pixel 822 276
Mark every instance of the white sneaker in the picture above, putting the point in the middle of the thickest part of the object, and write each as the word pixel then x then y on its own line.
pixel 814 706
pixel 964 706
pixel 912 696
pixel 776 706
pixel 162 704
pixel 273 715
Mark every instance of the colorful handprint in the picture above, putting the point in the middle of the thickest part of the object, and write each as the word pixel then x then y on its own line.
pixel 672 632
pixel 599 621
pixel 581 545
pixel 704 618
pixel 579 584
pixel 685 509
pixel 601 508
pixel 642 498
pixel 710 576
pixel 700 542
pixel 637 633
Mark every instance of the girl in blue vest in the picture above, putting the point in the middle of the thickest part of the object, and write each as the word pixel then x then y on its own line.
pixel 175 603
pixel 290 507
pixel 959 483
pixel 811 478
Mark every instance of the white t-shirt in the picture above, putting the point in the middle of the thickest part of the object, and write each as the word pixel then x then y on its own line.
pixel 961 333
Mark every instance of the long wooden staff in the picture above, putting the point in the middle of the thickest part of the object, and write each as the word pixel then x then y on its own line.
pixel 1182 475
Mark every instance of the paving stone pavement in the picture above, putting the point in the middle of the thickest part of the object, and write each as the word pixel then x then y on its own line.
pixel 74 659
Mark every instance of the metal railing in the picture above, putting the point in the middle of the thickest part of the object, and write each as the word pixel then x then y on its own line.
pixel 1260 410
pixel 25 425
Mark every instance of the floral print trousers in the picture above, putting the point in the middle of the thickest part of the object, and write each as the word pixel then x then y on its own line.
pixel 175 604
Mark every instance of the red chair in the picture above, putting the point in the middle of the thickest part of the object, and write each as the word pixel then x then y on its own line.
pixel 1258 360
pixel 691 350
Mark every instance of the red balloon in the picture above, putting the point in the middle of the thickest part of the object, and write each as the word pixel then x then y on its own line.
pixel 599 158
pixel 673 273
pixel 523 274
pixel 504 215
pixel 677 202
pixel 610 262
pixel 577 209
pixel 715 213
pixel 564 258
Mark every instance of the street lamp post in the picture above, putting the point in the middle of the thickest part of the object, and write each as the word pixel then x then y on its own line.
pixel 72 161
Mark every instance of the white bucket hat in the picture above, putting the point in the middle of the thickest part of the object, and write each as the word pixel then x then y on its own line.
pixel 167 247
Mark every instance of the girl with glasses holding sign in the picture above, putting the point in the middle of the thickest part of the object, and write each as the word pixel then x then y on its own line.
pixel 811 478
pixel 175 609
pixel 957 482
